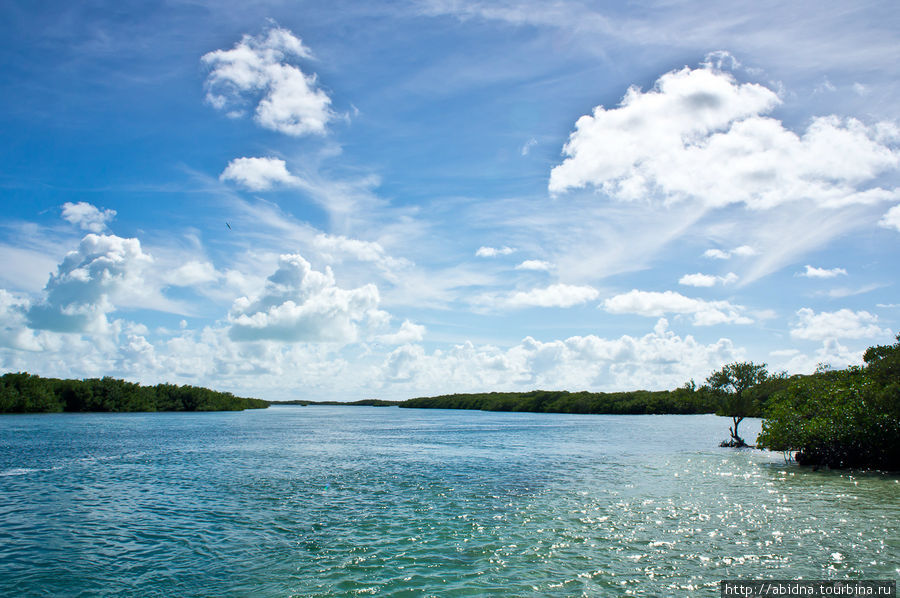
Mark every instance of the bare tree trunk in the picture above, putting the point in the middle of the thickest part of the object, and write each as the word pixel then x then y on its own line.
pixel 734 431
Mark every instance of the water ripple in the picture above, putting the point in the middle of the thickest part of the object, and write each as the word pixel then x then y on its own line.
pixel 357 502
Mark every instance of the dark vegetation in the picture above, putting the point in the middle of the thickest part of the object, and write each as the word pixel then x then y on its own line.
pixel 360 403
pixel 26 393
pixel 840 418
pixel 734 385
pixel 687 399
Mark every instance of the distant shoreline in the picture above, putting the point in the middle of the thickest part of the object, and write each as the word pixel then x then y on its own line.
pixel 26 393
pixel 683 401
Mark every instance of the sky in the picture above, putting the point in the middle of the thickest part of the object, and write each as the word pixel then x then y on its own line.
pixel 343 200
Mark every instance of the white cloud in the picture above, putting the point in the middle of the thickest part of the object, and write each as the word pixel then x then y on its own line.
pixel 701 135
pixel 334 247
pixel 825 86
pixel 408 333
pixel 493 251
pixel 716 254
pixel 839 324
pixel 813 272
pixel 535 265
pixel 259 174
pixel 259 69
pixel 650 303
pixel 706 280
pixel 744 251
pixel 300 304
pixel 78 296
pixel 891 219
pixel 656 360
pixel 14 332
pixel 719 254
pixel 698 280
pixel 721 60
pixel 841 292
pixel 25 269
pixel 86 216
pixel 192 273
pixel 831 353
pixel 528 145
pixel 555 295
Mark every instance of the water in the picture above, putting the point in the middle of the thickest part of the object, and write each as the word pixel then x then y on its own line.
pixel 350 501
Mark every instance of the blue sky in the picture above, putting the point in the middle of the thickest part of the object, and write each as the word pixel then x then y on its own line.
pixel 345 200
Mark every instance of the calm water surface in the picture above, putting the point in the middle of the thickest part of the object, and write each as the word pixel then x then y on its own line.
pixel 348 501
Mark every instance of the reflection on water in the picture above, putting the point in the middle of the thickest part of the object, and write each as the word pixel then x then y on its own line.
pixel 337 501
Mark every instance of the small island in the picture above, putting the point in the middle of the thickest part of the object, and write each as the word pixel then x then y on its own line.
pixel 27 393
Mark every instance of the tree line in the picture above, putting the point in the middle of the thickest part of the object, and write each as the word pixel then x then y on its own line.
pixel 27 393
pixel 837 418
pixel 685 400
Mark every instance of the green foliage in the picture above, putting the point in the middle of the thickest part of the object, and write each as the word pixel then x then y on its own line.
pixel 26 393
pixel 841 418
pixel 883 362
pixel 687 399
pixel 734 385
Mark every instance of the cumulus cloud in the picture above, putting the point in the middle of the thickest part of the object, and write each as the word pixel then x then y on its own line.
pixel 813 272
pixel 840 324
pixel 700 135
pixel 493 251
pixel 891 219
pixel 659 359
pixel 706 280
pixel 831 353
pixel 651 303
pixel 408 333
pixel 300 304
pixel 14 332
pixel 78 296
pixel 720 254
pixel 535 265
pixel 555 295
pixel 259 69
pixel 259 174
pixel 86 216
pixel 717 254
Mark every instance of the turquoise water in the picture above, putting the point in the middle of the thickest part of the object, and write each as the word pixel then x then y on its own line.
pixel 349 501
